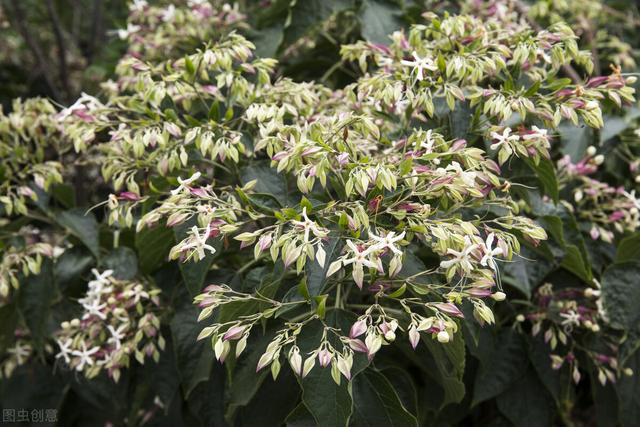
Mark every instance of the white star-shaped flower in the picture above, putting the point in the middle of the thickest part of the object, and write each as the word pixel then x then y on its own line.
pixel 184 183
pixel 388 241
pixel 65 350
pixel 117 335
pixel 490 253
pixel 462 257
pixel 199 242
pixel 419 65
pixel 503 138
pixel 309 226
pixel 359 259
pixel 85 356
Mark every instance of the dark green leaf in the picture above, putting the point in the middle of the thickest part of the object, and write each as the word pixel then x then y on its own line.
pixel 153 246
pixel 193 358
pixel 35 297
pixel 502 362
pixel 621 295
pixel 526 403
pixel 377 403
pixel 378 19
pixel 629 249
pixel 123 262
pixel 83 226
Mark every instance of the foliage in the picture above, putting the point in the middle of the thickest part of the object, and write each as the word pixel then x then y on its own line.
pixel 442 230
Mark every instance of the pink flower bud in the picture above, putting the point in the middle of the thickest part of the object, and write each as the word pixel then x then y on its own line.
pixel 358 345
pixel 324 357
pixel 358 328
pixel 450 309
pixel 234 333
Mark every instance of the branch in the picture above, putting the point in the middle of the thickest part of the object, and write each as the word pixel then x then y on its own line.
pixel 62 53
pixel 20 23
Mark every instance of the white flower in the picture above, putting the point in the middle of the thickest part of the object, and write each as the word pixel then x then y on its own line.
pixel 85 356
pixel 490 252
pixel 136 293
pixel 131 29
pixel 93 308
pixel 184 183
pixel 309 226
pixel 536 133
pixel 503 138
pixel 199 242
pixel 101 278
pixel 65 350
pixel 570 318
pixel 419 65
pixel 359 259
pixel 388 241
pixel 632 197
pixel 462 257
pixel 117 335
pixel 138 5
pixel 169 13
pixel 469 178
pixel 21 352
pixel 430 141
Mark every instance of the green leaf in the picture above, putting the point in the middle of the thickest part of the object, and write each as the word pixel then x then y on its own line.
pixel 300 417
pixel 540 356
pixel 123 262
pixel 527 271
pixel 502 362
pixel 526 403
pixel 83 226
pixel 575 140
pixel 71 265
pixel 270 184
pixel 621 295
pixel 628 388
pixel 330 404
pixel 378 19
pixel 376 402
pixel 273 402
pixel 317 275
pixel 35 297
pixel 153 246
pixel 193 358
pixel 546 173
pixel 629 249
pixel 449 360
pixel 307 15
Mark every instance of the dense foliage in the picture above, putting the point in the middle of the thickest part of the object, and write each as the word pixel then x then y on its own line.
pixel 420 213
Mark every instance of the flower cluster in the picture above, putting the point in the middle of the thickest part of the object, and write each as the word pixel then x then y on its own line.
pixel 29 137
pixel 117 322
pixel 566 317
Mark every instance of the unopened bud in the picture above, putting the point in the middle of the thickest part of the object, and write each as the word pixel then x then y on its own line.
pixel 578 195
pixel 390 336
pixel 599 159
pixel 520 318
pixel 591 150
pixel 498 296
pixel 628 371
pixel 443 336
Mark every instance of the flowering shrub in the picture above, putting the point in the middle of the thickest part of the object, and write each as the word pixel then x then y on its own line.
pixel 447 236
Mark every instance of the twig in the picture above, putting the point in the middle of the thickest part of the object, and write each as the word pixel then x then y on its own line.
pixel 62 52
pixel 20 22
